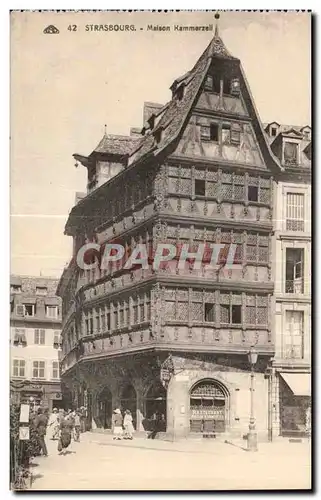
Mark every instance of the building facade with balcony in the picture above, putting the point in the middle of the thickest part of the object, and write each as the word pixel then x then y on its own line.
pixel 172 340
pixel 35 341
pixel 292 278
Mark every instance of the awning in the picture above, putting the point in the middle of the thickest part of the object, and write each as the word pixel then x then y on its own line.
pixel 299 383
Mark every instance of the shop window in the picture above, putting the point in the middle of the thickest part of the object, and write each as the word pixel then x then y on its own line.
pixel 294 270
pixel 209 312
pixel 199 187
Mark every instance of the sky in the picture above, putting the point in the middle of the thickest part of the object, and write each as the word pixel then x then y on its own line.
pixel 66 87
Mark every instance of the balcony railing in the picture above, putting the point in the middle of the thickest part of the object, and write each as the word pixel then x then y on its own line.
pixel 292 352
pixel 294 286
pixel 294 225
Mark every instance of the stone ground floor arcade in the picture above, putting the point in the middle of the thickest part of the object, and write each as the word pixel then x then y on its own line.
pixel 192 394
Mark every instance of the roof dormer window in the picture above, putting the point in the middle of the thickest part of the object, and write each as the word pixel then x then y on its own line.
pixel 158 135
pixel 180 92
pixel 274 131
pixel 290 153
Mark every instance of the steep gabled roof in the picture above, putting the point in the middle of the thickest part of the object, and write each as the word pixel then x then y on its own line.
pixel 169 127
pixel 115 144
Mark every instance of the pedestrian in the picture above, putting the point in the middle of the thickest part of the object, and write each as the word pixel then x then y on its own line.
pixel 41 422
pixel 156 421
pixel 128 425
pixel 82 419
pixel 77 426
pixel 117 423
pixel 65 434
pixel 53 424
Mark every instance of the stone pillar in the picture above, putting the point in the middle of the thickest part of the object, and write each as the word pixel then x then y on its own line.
pixel 178 407
pixel 275 406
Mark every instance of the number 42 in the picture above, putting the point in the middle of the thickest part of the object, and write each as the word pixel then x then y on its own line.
pixel 72 27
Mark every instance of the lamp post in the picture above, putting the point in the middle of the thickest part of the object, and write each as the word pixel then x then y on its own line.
pixel 252 434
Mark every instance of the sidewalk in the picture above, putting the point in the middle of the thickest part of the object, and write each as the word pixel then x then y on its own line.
pixel 99 463
pixel 199 445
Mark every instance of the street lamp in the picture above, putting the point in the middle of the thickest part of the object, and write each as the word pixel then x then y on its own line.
pixel 252 435
pixel 32 403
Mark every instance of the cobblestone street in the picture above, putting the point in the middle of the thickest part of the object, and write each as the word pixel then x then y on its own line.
pixel 97 462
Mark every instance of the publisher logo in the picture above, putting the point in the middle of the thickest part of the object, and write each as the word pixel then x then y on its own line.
pixel 51 30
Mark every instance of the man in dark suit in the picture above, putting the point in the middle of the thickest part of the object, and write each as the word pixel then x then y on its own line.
pixel 41 428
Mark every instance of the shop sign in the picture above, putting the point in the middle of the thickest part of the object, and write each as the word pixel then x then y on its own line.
pixel 24 413
pixel 24 433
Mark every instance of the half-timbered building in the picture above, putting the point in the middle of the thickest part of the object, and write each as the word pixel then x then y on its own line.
pixel 175 341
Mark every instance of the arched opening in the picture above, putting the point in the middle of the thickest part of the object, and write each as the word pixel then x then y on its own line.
pixel 105 408
pixel 155 407
pixel 208 407
pixel 129 402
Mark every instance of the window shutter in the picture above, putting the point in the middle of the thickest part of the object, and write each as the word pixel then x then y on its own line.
pixel 235 133
pixel 20 310
pixel 235 86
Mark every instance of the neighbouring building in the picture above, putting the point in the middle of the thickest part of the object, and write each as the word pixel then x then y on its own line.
pixel 176 340
pixel 291 372
pixel 35 341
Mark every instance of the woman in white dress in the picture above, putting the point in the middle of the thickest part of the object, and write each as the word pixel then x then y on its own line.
pixel 53 424
pixel 117 422
pixel 128 425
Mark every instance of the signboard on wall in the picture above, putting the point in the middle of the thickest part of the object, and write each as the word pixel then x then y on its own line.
pixel 24 433
pixel 24 413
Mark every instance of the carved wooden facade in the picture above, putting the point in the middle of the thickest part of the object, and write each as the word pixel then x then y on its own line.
pixel 201 173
